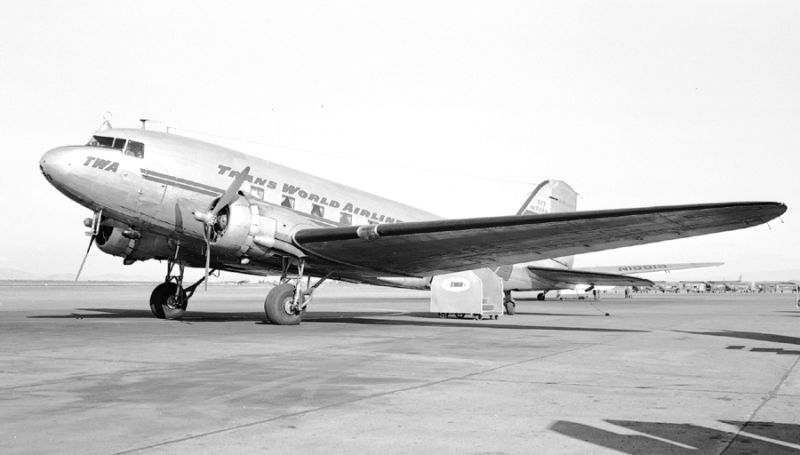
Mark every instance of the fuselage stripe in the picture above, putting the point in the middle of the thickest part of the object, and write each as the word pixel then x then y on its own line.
pixel 149 173
pixel 181 185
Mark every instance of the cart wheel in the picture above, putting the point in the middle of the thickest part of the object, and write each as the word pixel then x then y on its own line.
pixel 442 316
pixel 460 315
pixel 495 317
pixel 478 316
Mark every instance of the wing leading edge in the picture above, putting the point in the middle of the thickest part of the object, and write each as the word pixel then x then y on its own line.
pixel 442 246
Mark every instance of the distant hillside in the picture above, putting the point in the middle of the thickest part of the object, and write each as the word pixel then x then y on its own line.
pixel 20 275
pixel 17 275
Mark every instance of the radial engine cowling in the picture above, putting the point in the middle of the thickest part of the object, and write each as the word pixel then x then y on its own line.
pixel 148 246
pixel 242 229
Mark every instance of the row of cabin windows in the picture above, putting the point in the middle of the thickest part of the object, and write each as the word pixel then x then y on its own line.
pixel 319 210
pixel 128 147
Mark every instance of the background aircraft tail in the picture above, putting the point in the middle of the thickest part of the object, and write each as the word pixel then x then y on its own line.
pixel 551 196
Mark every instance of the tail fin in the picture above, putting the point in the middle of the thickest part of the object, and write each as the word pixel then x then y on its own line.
pixel 550 196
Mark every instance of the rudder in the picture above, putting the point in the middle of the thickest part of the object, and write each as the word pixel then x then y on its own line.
pixel 550 196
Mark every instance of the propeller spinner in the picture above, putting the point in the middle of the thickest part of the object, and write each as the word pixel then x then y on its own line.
pixel 209 218
pixel 94 224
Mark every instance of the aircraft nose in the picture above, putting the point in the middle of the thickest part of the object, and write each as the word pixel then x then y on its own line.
pixel 56 163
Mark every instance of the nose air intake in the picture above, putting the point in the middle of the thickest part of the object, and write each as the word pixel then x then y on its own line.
pixel 55 163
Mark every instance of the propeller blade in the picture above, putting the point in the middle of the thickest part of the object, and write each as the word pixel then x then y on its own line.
pixel 97 219
pixel 91 241
pixel 231 193
pixel 208 255
pixel 178 219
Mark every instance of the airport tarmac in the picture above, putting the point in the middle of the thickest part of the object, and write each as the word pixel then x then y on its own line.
pixel 86 369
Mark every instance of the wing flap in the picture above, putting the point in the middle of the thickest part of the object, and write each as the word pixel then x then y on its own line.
pixel 443 246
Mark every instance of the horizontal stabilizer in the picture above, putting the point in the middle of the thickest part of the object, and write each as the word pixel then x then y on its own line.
pixel 564 278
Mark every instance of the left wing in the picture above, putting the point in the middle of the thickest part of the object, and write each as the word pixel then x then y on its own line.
pixel 443 246
pixel 566 278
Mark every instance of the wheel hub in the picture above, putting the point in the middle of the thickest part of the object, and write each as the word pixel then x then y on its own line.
pixel 288 306
pixel 173 303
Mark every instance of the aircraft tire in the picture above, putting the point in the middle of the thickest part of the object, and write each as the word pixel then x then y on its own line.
pixel 511 307
pixel 540 296
pixel 163 304
pixel 277 303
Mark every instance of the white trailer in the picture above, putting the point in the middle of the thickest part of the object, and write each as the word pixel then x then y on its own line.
pixel 475 293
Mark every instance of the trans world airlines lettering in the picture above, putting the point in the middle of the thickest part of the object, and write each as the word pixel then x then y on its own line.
pixel 296 191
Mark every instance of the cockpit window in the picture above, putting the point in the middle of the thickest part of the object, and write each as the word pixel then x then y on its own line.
pixel 119 144
pixel 101 141
pixel 127 147
pixel 135 149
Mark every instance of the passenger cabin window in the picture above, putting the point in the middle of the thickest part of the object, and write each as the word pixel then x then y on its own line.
pixel 346 218
pixel 257 192
pixel 131 148
pixel 288 201
pixel 318 210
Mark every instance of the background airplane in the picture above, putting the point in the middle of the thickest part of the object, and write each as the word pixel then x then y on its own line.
pixel 162 196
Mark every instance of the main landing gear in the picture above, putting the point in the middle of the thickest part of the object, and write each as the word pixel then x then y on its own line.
pixel 286 302
pixel 169 299
pixel 509 303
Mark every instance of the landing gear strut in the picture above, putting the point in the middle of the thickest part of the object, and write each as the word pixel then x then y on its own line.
pixel 286 302
pixel 169 299
pixel 509 303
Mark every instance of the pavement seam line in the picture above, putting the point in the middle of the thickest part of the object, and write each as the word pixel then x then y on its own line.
pixel 770 395
pixel 333 405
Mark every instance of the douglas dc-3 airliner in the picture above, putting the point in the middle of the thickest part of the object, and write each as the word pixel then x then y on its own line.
pixel 163 196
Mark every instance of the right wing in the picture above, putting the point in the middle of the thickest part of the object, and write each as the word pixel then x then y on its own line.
pixel 437 247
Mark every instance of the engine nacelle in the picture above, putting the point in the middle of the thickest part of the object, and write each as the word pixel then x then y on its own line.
pixel 242 229
pixel 111 240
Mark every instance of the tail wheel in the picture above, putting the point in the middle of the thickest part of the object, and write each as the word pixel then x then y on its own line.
pixel 278 305
pixel 165 304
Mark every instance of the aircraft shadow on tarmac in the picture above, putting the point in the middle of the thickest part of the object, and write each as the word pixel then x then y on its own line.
pixel 792 313
pixel 756 336
pixel 677 438
pixel 432 320
pixel 568 315
pixel 374 317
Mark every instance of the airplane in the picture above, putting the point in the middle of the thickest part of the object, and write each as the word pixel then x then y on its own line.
pixel 163 196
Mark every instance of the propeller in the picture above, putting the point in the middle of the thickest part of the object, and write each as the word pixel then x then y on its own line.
pixel 210 217
pixel 95 226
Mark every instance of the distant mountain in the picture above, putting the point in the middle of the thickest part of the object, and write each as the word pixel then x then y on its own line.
pixel 20 275
pixel 16 275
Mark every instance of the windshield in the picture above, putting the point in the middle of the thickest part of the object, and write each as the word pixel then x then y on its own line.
pixel 131 148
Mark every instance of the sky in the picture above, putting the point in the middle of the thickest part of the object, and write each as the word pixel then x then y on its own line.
pixel 459 108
